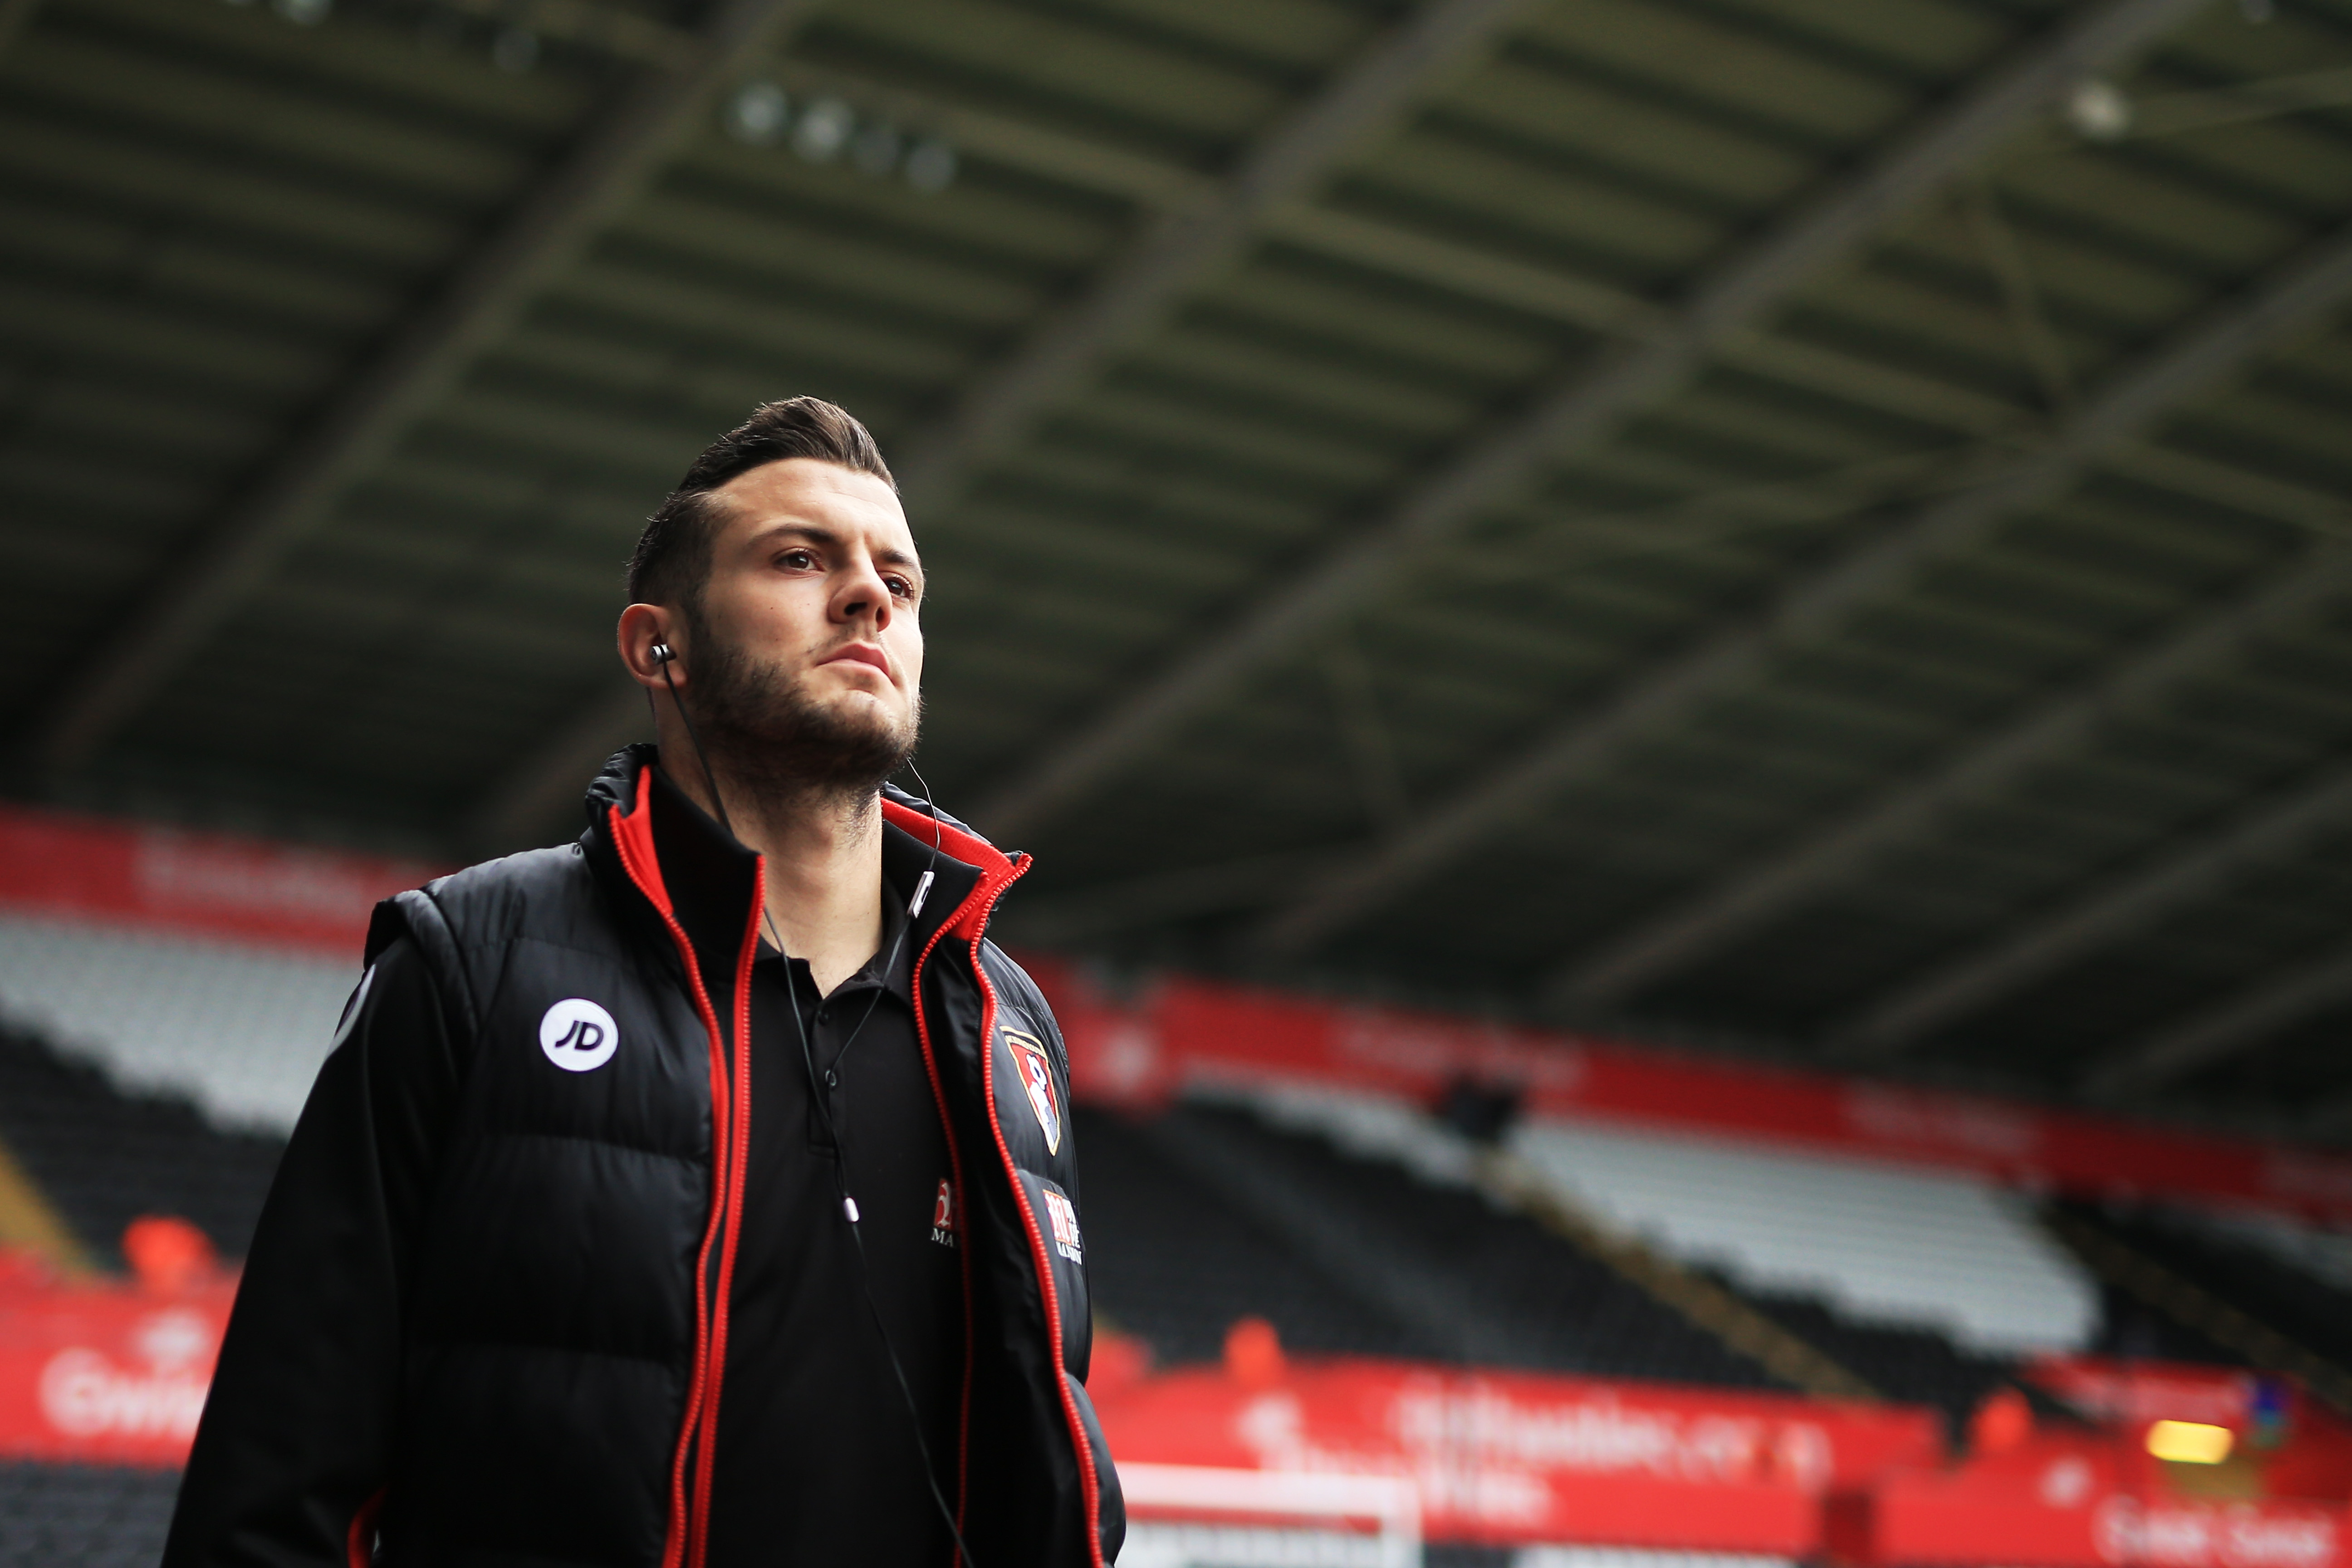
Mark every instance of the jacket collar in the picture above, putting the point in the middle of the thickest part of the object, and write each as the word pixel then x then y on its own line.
pixel 695 871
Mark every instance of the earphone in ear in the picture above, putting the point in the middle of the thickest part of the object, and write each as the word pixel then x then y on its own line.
pixel 662 654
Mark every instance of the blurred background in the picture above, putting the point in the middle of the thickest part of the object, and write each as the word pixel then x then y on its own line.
pixel 1680 671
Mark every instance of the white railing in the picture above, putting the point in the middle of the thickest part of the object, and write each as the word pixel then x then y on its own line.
pixel 1314 1511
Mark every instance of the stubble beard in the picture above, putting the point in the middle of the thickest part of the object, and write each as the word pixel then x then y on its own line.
pixel 768 735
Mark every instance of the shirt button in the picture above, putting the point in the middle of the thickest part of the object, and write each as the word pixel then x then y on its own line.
pixel 830 1081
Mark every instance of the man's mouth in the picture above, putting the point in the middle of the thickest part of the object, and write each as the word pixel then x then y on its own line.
pixel 862 653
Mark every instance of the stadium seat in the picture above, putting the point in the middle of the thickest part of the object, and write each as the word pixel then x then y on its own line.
pixel 1881 1245
pixel 236 1029
pixel 1208 1213
pixel 104 1157
pixel 2278 1273
pixel 83 1516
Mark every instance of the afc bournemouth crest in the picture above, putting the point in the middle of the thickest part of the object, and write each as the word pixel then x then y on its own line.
pixel 1037 1077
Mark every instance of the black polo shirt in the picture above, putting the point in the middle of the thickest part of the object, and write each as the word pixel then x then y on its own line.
pixel 816 1459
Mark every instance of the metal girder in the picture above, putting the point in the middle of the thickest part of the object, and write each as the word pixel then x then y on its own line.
pixel 1590 407
pixel 536 786
pixel 2108 912
pixel 2191 360
pixel 2236 1024
pixel 1176 255
pixel 1202 224
pixel 624 145
pixel 1721 914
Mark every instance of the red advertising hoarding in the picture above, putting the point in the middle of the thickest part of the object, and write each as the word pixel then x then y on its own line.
pixel 1506 1458
pixel 212 884
pixel 2075 1501
pixel 102 1371
pixel 111 1372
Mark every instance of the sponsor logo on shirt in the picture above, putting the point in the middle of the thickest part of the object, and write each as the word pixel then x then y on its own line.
pixel 1037 1077
pixel 578 1036
pixel 943 1216
pixel 1063 1216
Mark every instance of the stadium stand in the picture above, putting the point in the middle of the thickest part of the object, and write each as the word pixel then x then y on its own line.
pixel 2223 1261
pixel 2324 1255
pixel 1913 1365
pixel 237 1028
pixel 1854 1268
pixel 1173 1262
pixel 104 1156
pixel 1538 1302
pixel 1903 1248
pixel 2132 1328
pixel 1460 1280
pixel 1895 1247
pixel 83 1516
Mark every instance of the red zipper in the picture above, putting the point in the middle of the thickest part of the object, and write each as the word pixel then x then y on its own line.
pixel 358 1543
pixel 739 1158
pixel 972 918
pixel 963 1196
pixel 644 870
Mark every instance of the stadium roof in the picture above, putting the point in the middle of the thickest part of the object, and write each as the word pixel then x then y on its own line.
pixel 1819 523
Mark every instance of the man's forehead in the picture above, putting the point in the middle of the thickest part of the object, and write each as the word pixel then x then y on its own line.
pixel 825 495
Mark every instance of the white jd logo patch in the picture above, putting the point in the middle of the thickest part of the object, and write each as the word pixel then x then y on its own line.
pixel 578 1036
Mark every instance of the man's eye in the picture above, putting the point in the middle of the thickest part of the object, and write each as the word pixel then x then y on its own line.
pixel 901 587
pixel 796 558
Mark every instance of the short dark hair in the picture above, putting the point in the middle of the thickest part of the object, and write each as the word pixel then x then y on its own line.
pixel 672 559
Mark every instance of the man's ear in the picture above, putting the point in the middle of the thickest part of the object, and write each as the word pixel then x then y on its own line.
pixel 649 641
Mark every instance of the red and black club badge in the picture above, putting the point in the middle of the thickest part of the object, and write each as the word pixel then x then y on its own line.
pixel 1037 1077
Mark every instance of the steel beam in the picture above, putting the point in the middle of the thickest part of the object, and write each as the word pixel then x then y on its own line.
pixel 1200 226
pixel 1729 305
pixel 528 794
pixel 2108 913
pixel 623 146
pixel 1584 744
pixel 1722 913
pixel 1177 255
pixel 2235 1024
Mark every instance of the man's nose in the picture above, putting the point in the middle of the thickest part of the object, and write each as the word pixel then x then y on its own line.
pixel 866 593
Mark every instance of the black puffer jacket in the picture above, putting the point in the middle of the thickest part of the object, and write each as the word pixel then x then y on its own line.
pixel 486 1312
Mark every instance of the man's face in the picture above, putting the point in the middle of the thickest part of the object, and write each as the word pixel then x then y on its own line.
pixel 810 616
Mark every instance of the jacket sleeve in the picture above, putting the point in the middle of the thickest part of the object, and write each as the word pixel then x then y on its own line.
pixel 1110 1503
pixel 291 1457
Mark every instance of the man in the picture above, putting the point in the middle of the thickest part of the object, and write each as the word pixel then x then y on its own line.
pixel 700 1193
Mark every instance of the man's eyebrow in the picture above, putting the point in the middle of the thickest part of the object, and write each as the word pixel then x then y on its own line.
pixel 889 556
